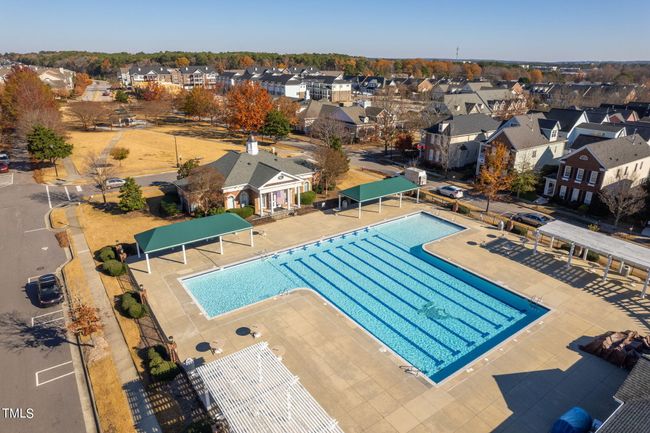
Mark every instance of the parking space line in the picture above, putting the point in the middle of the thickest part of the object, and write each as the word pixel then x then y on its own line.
pixel 6 179
pixel 49 200
pixel 67 193
pixel 49 320
pixel 36 230
pixel 78 188
pixel 36 375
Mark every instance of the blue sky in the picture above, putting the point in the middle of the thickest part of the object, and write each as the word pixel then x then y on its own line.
pixel 549 30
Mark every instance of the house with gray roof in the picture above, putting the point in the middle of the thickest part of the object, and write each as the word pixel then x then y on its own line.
pixel 605 130
pixel 454 141
pixel 533 141
pixel 256 178
pixel 585 171
pixel 198 76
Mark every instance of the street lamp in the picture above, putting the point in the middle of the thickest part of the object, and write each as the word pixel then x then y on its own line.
pixel 176 148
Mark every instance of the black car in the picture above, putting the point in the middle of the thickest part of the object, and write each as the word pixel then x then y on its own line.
pixel 50 291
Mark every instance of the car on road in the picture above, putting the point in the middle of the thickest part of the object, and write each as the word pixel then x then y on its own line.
pixel 4 157
pixel 115 182
pixel 4 167
pixel 532 218
pixel 450 191
pixel 49 290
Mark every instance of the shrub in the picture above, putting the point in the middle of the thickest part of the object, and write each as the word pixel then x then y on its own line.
pixel 243 212
pixel 136 310
pixel 583 209
pixel 199 427
pixel 161 368
pixel 519 230
pixel 592 256
pixel 168 207
pixel 114 268
pixel 594 227
pixel 131 306
pixel 126 300
pixel 106 254
pixel 307 197
pixel 463 210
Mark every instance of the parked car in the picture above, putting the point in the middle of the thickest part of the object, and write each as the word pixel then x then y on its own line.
pixel 4 167
pixel 4 157
pixel 532 218
pixel 114 182
pixel 50 291
pixel 450 191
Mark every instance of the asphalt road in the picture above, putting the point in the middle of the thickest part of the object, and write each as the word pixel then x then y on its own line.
pixel 38 375
pixel 94 92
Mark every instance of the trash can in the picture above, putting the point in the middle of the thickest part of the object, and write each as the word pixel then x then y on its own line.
pixel 627 270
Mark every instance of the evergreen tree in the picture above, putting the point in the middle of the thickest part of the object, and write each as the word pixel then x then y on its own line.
pixel 131 196
pixel 276 125
pixel 524 181
pixel 46 145
pixel 186 168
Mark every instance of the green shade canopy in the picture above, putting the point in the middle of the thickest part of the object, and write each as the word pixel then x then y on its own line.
pixel 374 190
pixel 186 232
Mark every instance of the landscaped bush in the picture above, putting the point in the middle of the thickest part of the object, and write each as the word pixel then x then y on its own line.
pixel 463 210
pixel 243 212
pixel 131 306
pixel 583 209
pixel 593 257
pixel 307 197
pixel 114 268
pixel 168 207
pixel 519 230
pixel 106 254
pixel 136 310
pixel 160 367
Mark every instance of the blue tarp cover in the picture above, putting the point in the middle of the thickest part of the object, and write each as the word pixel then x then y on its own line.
pixel 576 420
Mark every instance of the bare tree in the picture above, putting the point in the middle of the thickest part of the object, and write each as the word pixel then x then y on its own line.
pixel 89 113
pixel 85 321
pixel 329 131
pixel 39 117
pixel 387 120
pixel 622 198
pixel 332 164
pixel 495 175
pixel 205 187
pixel 100 171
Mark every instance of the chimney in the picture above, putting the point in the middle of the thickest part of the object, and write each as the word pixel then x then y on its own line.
pixel 251 145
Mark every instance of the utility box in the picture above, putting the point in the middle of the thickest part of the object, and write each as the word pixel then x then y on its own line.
pixel 416 175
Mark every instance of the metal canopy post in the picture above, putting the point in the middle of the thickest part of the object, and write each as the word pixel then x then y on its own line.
pixel 609 264
pixel 552 242
pixel 400 199
pixel 339 201
pixel 184 255
pixel 536 242
pixel 137 247
pixel 417 196
pixel 585 251
pixel 146 255
pixel 221 245
pixel 252 244
pixel 622 265
pixel 645 285
pixel 379 204
pixel 573 246
pixel 359 210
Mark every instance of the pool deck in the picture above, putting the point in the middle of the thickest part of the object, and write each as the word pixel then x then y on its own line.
pixel 522 385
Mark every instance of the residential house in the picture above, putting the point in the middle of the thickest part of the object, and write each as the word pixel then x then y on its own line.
pixel 309 111
pixel 139 75
pixel 605 130
pixel 288 85
pixel 642 109
pixel 457 104
pixel 353 118
pixel 198 76
pixel 533 141
pixel 569 118
pixel 329 87
pixel 454 141
pixel 586 171
pixel 266 181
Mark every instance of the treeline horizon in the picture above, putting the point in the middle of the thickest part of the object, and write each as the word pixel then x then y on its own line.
pixel 102 64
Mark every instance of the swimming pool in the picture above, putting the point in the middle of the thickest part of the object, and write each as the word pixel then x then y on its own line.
pixel 434 314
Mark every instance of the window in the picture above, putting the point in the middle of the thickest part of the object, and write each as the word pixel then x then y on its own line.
pixel 562 191
pixel 593 177
pixel 588 196
pixel 580 174
pixel 244 199
pixel 567 172
pixel 305 186
pixel 230 202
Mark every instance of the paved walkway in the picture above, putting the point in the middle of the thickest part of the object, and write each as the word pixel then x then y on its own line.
pixel 142 412
pixel 73 173
pixel 111 144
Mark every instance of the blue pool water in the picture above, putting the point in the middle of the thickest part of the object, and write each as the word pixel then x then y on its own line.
pixel 435 315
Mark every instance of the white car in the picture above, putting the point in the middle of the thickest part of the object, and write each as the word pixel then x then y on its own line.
pixel 450 191
pixel 4 157
pixel 114 182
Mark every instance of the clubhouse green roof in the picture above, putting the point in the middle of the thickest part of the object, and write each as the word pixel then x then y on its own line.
pixel 186 232
pixel 374 190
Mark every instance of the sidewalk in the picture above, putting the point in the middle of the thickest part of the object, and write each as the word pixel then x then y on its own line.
pixel 143 415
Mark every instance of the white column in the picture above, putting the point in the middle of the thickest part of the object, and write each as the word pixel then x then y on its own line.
pixel 146 255
pixel 298 195
pixel 221 245
pixel 536 242
pixel 584 253
pixel 339 201
pixel 271 199
pixel 573 246
pixel 379 204
pixel 184 255
pixel 552 242
pixel 400 199
pixel 609 263
pixel 252 244
pixel 137 247
pixel 620 268
pixel 288 198
pixel 645 285
pixel 417 196
pixel 359 210
pixel 261 204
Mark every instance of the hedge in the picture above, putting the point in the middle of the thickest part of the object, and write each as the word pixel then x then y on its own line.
pixel 198 427
pixel 106 254
pixel 243 212
pixel 132 306
pixel 168 207
pixel 307 197
pixel 592 256
pixel 464 210
pixel 519 230
pixel 161 368
pixel 114 268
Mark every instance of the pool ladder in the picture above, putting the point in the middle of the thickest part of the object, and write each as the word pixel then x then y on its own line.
pixel 536 299
pixel 410 369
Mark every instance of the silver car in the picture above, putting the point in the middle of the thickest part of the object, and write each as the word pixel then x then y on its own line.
pixel 450 191
pixel 532 218
pixel 114 182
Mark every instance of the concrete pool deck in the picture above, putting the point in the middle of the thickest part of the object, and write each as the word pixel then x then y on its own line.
pixel 521 385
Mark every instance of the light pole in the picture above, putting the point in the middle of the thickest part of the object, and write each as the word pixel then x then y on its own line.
pixel 176 149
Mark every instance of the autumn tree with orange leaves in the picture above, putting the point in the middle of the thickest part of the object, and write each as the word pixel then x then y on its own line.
pixel 85 321
pixel 535 76
pixel 289 108
pixel 472 70
pixel 495 175
pixel 247 105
